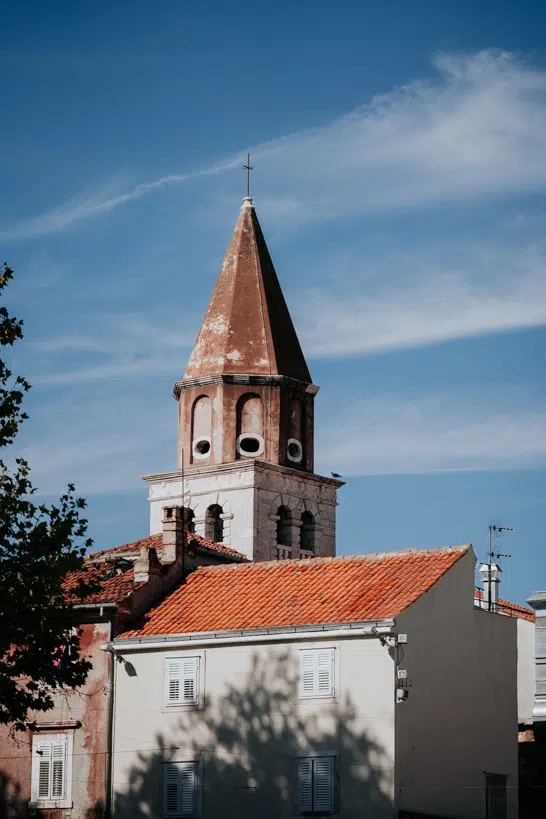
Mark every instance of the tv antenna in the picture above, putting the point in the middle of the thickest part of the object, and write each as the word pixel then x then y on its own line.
pixel 494 531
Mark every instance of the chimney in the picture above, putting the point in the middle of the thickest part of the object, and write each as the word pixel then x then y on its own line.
pixel 172 534
pixel 538 602
pixel 490 574
pixel 147 563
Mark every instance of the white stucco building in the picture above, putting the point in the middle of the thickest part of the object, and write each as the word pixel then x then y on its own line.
pixel 272 690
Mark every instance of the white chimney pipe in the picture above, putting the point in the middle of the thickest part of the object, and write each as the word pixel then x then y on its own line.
pixel 490 574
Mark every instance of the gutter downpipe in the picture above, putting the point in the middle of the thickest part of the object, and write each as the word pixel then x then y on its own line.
pixel 110 727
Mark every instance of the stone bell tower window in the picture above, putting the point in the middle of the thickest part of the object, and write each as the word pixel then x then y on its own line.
pixel 308 532
pixel 214 524
pixel 201 428
pixel 284 526
pixel 250 426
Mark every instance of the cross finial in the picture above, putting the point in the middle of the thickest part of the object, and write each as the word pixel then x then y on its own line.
pixel 248 167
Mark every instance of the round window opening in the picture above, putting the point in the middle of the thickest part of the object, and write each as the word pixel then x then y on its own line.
pixel 250 445
pixel 201 448
pixel 294 450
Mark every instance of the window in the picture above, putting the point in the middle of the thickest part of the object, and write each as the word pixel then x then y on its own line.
pixel 495 796
pixel 308 532
pixel 214 525
pixel 315 784
pixel 182 681
pixel 180 788
pixel 284 526
pixel 51 770
pixel 317 672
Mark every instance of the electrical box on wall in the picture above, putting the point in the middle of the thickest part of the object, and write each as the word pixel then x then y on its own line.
pixel 402 638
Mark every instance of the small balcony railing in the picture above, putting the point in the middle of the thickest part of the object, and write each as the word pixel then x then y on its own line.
pixel 289 553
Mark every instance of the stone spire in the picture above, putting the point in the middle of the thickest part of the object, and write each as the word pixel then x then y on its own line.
pixel 247 327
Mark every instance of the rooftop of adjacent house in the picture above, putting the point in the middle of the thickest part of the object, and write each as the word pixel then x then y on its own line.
pixel 113 568
pixel 512 609
pixel 298 592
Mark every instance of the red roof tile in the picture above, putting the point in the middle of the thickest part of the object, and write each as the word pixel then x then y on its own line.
pixel 513 609
pixel 298 592
pixel 156 542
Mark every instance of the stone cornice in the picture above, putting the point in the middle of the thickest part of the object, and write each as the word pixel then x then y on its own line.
pixel 245 465
pixel 242 379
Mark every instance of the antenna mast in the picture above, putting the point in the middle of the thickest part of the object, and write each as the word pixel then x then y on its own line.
pixel 490 556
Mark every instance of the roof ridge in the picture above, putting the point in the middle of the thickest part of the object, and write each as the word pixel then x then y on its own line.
pixel 316 561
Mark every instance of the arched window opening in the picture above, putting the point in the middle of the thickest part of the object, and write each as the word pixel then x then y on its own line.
pixel 250 426
pixel 214 525
pixel 308 532
pixel 294 449
pixel 284 526
pixel 201 428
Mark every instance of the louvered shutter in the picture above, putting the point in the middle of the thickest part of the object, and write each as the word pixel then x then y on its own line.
pixel 44 769
pixel 182 681
pixel 325 672
pixel 307 674
pixel 305 785
pixel 173 682
pixel 323 784
pixel 180 781
pixel 190 674
pixel 58 767
pixel 317 673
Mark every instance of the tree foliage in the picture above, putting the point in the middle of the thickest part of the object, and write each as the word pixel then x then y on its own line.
pixel 39 545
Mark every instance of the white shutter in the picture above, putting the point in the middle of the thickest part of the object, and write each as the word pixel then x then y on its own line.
pixel 180 782
pixel 305 785
pixel 44 768
pixel 307 674
pixel 190 679
pixel 317 672
pixel 182 681
pixel 58 767
pixel 323 784
pixel 172 682
pixel 325 672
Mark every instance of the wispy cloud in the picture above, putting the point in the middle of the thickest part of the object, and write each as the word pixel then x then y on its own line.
pixel 435 433
pixel 475 129
pixel 434 295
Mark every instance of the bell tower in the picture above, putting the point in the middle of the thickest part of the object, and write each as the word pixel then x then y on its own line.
pixel 246 420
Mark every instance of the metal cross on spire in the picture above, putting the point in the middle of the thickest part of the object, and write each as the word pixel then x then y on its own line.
pixel 248 167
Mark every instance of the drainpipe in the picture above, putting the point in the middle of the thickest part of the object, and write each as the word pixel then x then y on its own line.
pixel 110 727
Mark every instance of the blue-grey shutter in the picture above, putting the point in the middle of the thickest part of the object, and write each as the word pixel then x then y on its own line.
pixel 323 784
pixel 180 783
pixel 305 785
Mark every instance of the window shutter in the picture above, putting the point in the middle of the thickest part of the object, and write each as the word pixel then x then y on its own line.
pixel 180 781
pixel 305 785
pixel 182 681
pixel 323 784
pixel 44 767
pixel 317 673
pixel 325 672
pixel 190 674
pixel 307 677
pixel 58 757
pixel 172 682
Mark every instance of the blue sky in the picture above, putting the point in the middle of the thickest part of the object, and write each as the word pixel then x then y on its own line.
pixel 400 180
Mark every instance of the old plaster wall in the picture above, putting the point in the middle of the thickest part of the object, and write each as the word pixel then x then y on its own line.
pixel 461 716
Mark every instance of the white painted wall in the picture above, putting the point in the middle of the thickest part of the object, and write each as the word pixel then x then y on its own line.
pixel 249 726
pixel 526 670
pixel 461 715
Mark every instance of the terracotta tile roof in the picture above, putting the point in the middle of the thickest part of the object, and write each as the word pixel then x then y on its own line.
pixel 114 586
pixel 156 542
pixel 298 592
pixel 513 609
pixel 117 582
